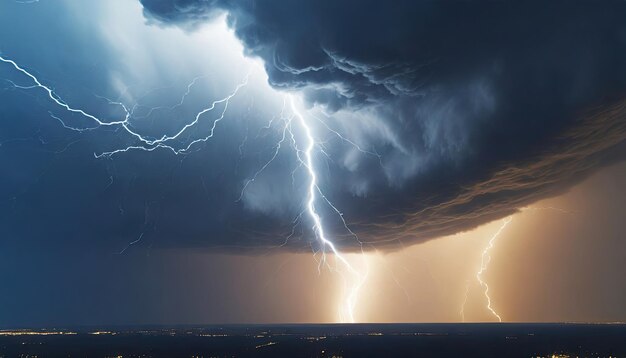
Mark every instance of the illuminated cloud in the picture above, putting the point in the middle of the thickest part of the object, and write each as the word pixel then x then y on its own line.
pixel 475 109
pixel 434 118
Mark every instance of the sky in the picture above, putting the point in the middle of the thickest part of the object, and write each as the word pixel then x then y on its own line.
pixel 187 161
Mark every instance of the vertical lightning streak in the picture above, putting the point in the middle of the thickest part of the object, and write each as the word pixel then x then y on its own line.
pixel 318 227
pixel 484 263
pixel 305 159
pixel 485 258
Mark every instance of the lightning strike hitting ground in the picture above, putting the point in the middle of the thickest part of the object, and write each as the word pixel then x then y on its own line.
pixel 485 254
pixel 353 279
pixel 484 264
pixel 347 311
pixel 305 159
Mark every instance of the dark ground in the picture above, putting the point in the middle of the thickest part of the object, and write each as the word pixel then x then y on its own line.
pixel 359 340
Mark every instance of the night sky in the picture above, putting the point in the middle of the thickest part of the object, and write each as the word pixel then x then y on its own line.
pixel 160 171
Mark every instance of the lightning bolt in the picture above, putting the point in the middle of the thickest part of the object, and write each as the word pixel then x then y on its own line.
pixel 485 259
pixel 277 147
pixel 177 105
pixel 145 143
pixel 131 244
pixel 353 279
pixel 484 263
pixel 349 141
pixel 346 311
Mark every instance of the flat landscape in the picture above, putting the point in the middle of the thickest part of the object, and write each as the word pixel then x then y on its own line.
pixel 327 340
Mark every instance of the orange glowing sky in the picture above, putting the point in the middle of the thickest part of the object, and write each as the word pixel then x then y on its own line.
pixel 547 265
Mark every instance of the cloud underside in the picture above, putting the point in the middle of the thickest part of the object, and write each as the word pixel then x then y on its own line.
pixel 480 109
pixel 596 141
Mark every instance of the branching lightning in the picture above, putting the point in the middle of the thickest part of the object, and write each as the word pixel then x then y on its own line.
pixel 353 279
pixel 484 263
pixel 318 228
pixel 286 128
pixel 485 259
pixel 349 141
pixel 145 143
pixel 305 159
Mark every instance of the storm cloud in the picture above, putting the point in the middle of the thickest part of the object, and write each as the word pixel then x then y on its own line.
pixel 433 117
pixel 477 109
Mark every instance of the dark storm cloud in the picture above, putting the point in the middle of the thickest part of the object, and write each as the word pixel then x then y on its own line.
pixel 490 105
pixel 475 110
pixel 578 152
